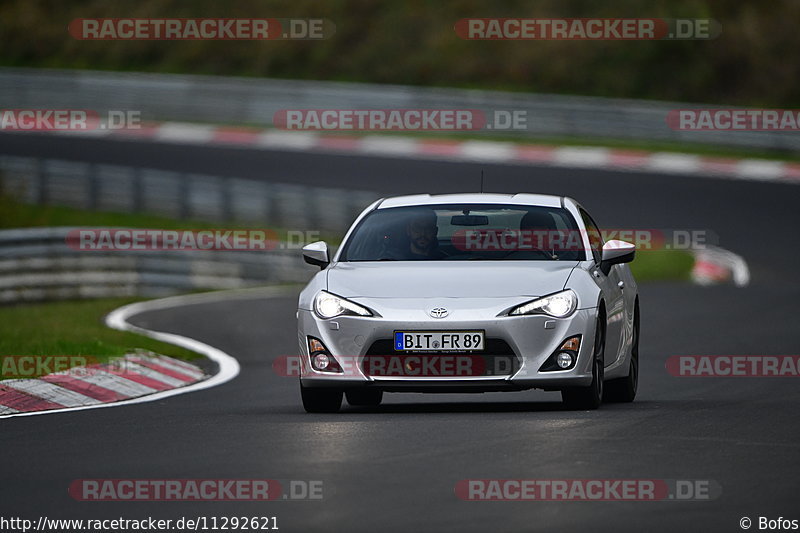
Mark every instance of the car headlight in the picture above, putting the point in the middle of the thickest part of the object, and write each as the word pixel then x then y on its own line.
pixel 558 305
pixel 328 305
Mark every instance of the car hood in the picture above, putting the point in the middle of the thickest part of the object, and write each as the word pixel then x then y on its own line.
pixel 429 279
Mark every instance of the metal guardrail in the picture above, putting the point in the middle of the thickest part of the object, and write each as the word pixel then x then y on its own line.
pixel 228 100
pixel 181 195
pixel 37 264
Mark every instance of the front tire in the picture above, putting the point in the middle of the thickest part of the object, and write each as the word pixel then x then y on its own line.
pixel 321 400
pixel 589 398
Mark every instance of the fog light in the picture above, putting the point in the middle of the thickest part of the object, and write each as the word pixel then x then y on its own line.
pixel 320 357
pixel 321 361
pixel 565 357
pixel 564 360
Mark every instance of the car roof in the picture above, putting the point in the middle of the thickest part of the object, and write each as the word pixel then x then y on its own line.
pixel 543 200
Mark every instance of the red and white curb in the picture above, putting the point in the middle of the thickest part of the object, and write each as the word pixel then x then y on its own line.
pixel 715 265
pixel 129 377
pixel 468 150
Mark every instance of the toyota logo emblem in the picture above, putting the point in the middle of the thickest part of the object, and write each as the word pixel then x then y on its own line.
pixel 439 312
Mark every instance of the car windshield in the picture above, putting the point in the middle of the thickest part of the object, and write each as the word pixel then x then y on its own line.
pixel 466 232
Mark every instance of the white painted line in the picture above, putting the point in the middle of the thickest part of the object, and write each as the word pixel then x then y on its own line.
pixel 185 133
pixel 674 163
pixel 487 151
pixel 228 366
pixel 50 392
pixel 582 156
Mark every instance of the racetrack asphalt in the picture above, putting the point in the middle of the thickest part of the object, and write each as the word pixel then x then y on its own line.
pixel 395 469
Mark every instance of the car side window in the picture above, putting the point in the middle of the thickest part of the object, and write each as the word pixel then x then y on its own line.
pixel 595 238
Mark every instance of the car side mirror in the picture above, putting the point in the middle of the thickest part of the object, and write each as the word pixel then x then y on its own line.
pixel 316 254
pixel 616 252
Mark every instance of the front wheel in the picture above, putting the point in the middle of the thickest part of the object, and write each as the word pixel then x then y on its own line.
pixel 321 400
pixel 587 398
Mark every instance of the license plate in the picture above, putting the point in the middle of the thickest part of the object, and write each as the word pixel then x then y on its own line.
pixel 438 341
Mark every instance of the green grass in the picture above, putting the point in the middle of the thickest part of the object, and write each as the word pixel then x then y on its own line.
pixel 73 328
pixel 14 214
pixel 662 265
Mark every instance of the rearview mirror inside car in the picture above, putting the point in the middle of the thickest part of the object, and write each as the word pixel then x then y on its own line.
pixel 469 220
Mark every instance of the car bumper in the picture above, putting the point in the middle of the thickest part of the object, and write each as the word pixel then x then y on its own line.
pixel 533 339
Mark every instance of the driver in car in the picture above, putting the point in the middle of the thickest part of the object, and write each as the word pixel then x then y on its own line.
pixel 422 233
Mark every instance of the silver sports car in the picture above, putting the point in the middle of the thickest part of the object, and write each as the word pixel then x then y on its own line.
pixel 469 293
